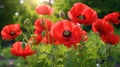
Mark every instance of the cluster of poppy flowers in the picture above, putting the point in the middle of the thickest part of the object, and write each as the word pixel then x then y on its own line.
pixel 67 32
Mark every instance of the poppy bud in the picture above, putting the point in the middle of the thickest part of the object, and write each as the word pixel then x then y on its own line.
pixel 42 23
pixel 23 45
pixel 27 21
pixel 61 14
pixel 43 33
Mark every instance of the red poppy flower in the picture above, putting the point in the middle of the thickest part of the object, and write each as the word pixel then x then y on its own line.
pixel 112 39
pixel 18 50
pixel 81 13
pixel 42 28
pixel 102 27
pixel 113 18
pixel 11 31
pixel 66 32
pixel 42 24
pixel 44 10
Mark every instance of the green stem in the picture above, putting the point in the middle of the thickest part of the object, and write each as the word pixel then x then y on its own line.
pixel 25 37
pixel 47 31
pixel 27 25
pixel 31 26
pixel 28 30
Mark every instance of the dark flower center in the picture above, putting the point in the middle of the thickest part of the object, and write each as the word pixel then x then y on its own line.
pixel 12 33
pixel 66 33
pixel 82 17
pixel 119 18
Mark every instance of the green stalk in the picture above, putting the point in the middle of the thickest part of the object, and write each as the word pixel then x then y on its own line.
pixel 25 37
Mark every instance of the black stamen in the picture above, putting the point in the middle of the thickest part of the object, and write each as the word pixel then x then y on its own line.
pixel 66 33
pixel 12 33
pixel 82 17
pixel 119 18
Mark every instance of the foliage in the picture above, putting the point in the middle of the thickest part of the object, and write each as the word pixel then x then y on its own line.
pixel 58 55
pixel 94 51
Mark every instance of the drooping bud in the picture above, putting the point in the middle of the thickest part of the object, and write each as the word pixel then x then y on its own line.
pixel 43 33
pixel 61 14
pixel 42 23
pixel 27 21
pixel 23 45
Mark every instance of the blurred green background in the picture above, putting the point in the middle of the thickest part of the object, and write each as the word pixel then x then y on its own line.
pixel 16 11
